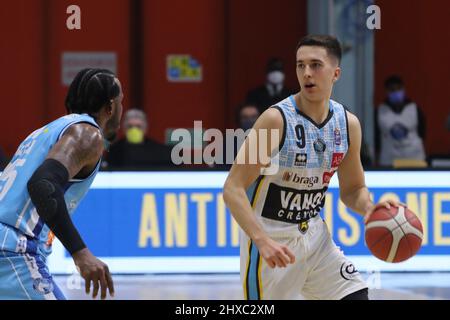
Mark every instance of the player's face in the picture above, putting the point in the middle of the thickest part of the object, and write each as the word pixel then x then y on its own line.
pixel 113 124
pixel 316 72
pixel 135 122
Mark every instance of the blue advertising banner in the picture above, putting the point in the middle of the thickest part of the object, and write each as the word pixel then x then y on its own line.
pixel 195 222
pixel 175 222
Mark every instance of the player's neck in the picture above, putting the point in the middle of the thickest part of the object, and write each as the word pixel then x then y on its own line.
pixel 316 110
pixel 101 122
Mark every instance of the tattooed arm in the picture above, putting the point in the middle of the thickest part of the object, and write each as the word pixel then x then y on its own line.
pixel 75 155
pixel 79 149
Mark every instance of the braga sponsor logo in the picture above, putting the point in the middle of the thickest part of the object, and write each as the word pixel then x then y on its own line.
pixel 302 181
pixel 292 205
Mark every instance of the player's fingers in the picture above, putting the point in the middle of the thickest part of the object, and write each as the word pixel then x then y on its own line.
pixel 366 217
pixel 289 254
pixel 96 287
pixel 284 257
pixel 103 286
pixel 278 261
pixel 398 203
pixel 270 263
pixel 384 204
pixel 110 282
pixel 87 285
pixel 377 206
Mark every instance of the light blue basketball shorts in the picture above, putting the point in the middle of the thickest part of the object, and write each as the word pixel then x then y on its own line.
pixel 26 277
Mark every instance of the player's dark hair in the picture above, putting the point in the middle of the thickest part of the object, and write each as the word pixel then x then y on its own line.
pixel 393 80
pixel 330 43
pixel 274 64
pixel 90 90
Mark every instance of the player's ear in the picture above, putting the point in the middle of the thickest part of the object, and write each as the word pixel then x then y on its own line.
pixel 337 74
pixel 109 107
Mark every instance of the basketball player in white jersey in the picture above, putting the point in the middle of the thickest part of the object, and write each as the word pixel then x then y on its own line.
pixel 286 249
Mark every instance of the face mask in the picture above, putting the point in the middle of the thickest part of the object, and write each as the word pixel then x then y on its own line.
pixel 275 77
pixel 247 124
pixel 397 97
pixel 135 135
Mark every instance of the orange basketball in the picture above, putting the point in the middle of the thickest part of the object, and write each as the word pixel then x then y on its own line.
pixel 393 235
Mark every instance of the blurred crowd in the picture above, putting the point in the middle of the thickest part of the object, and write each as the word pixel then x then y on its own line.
pixel 400 130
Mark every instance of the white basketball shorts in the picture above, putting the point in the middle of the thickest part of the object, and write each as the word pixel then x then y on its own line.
pixel 321 271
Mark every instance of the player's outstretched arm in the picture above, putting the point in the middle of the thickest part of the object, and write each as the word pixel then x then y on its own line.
pixel 243 173
pixel 353 190
pixel 78 151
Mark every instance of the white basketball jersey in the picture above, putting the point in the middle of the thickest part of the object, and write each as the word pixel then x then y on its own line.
pixel 399 135
pixel 287 202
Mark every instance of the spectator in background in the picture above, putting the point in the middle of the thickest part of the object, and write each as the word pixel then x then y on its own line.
pixel 400 126
pixel 246 116
pixel 273 90
pixel 136 151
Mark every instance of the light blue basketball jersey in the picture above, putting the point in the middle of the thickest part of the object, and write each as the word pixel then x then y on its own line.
pixel 21 228
pixel 332 135
pixel 310 153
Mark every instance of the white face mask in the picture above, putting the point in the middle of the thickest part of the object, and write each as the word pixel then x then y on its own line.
pixel 275 77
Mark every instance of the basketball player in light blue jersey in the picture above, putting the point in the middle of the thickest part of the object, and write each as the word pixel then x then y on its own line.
pixel 43 184
pixel 286 249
